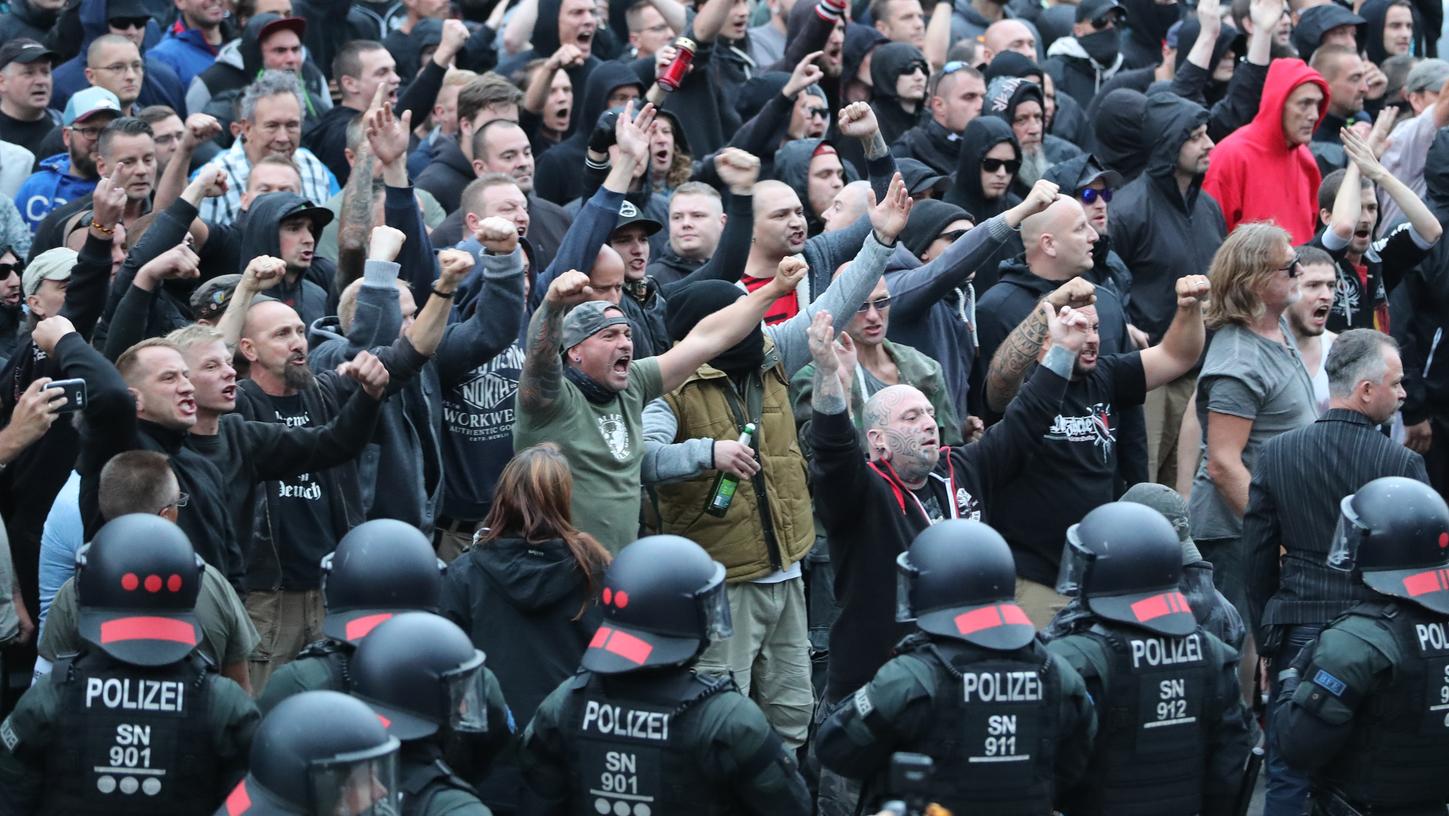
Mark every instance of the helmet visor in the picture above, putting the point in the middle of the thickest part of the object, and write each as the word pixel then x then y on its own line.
pixel 363 784
pixel 714 606
pixel 905 578
pixel 1347 536
pixel 468 697
pixel 1075 559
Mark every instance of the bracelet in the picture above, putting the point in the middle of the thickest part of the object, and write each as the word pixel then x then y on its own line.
pixel 445 295
pixel 103 230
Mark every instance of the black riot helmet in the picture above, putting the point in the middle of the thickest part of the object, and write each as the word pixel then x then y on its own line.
pixel 319 752
pixel 958 580
pixel 1395 532
pixel 381 567
pixel 1124 560
pixel 664 601
pixel 137 583
pixel 421 674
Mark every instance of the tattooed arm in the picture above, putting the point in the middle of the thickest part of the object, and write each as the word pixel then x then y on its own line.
pixel 830 396
pixel 539 384
pixel 354 222
pixel 1021 347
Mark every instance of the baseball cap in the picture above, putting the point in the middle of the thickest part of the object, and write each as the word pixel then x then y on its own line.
pixel 320 216
pixel 919 177
pixel 1173 507
pixel 25 51
pixel 630 215
pixel 210 299
pixel 52 264
pixel 296 25
pixel 586 320
pixel 85 104
pixel 1090 10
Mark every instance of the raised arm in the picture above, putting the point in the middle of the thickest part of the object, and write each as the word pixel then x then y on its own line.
pixel 1420 218
pixel 938 34
pixel 426 332
pixel 128 324
pixel 388 137
pixel 567 56
pixel 1023 345
pixel 738 170
pixel 707 22
pixel 262 273
pixel 495 323
pixel 1210 22
pixel 1181 346
pixel 200 129
pixel 542 376
pixel 728 326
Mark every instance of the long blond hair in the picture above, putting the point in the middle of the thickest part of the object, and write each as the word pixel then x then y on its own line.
pixel 1242 268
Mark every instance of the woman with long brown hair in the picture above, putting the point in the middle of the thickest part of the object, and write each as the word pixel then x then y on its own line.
pixel 525 591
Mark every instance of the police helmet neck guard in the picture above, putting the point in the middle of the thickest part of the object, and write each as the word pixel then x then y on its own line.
pixel 958 580
pixel 1394 532
pixel 1124 561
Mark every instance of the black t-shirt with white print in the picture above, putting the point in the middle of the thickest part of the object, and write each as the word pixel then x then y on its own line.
pixel 302 503
pixel 1073 472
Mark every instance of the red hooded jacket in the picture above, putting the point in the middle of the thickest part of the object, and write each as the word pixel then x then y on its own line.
pixel 1255 176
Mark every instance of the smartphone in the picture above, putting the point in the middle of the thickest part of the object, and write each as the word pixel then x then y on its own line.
pixel 910 775
pixel 75 394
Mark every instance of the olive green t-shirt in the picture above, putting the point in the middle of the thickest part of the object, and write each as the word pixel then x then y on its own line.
pixel 227 633
pixel 604 445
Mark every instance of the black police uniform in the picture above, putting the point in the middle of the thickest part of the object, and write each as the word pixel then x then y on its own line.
pixel 1367 713
pixel 1006 722
pixel 426 681
pixel 637 731
pixel 1173 735
pixel 138 722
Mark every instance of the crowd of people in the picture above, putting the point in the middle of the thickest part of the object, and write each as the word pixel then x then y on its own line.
pixel 652 406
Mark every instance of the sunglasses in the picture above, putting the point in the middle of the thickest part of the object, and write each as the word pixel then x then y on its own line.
pixel 952 67
pixel 1104 21
pixel 879 304
pixel 1090 195
pixel 6 270
pixel 128 22
pixel 913 67
pixel 818 113
pixel 995 165
pixel 1294 267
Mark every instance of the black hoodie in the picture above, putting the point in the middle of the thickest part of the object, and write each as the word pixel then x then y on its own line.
pixel 1230 105
pixel 982 134
pixel 560 173
pixel 1419 307
pixel 887 64
pixel 227 82
pixel 1118 140
pixel 792 166
pixel 262 236
pixel 1374 12
pixel 1314 22
pixel 25 21
pixel 545 42
pixel 519 602
pixel 1160 233
pixel 1147 25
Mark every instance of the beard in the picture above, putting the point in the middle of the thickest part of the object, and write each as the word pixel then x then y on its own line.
pixel 298 377
pixel 82 166
pixel 1033 166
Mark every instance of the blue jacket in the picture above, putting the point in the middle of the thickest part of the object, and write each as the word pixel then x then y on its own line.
pixel 186 51
pixel 49 187
pixel 160 86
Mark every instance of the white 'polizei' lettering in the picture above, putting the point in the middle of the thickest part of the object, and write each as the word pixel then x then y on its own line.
pixel 1001 687
pixel 132 694
pixel 1166 651
pixel 617 721
pixel 1431 637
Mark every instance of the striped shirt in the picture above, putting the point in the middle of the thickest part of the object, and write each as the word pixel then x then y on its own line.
pixel 318 183
pixel 1299 479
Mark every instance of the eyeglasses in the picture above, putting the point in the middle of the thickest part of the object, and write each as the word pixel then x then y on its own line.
pixel 879 304
pixel 124 67
pixel 90 133
pixel 1091 194
pixel 181 501
pixel 995 165
pixel 1293 268
pixel 818 113
pixel 128 22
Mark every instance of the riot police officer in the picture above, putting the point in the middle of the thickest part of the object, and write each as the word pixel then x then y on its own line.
pixel 1007 722
pixel 1172 736
pixel 138 721
pixel 1367 706
pixel 637 731
pixel 318 753
pixel 381 567
pixel 423 677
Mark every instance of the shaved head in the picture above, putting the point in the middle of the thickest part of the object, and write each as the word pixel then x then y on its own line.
pixel 882 404
pixel 1010 35
pixel 765 190
pixel 1050 221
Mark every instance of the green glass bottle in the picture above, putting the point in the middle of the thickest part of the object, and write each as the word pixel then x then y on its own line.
pixel 726 483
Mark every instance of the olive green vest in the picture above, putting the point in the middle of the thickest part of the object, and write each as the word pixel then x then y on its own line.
pixel 708 405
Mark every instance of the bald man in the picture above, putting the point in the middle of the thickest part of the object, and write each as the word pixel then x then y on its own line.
pixel 1011 35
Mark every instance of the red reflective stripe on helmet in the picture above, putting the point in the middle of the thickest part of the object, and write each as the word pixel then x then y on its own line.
pixel 238 801
pixel 599 637
pixel 148 629
pixel 1011 613
pixel 629 647
pixel 987 617
pixel 1422 583
pixel 359 628
pixel 1167 603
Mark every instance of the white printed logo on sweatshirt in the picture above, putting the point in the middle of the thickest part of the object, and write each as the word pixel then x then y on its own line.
pixel 616 435
pixel 1095 428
